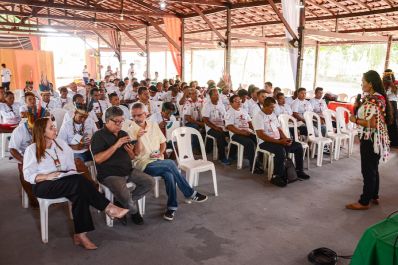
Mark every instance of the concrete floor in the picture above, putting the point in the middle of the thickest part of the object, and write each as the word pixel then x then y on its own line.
pixel 250 222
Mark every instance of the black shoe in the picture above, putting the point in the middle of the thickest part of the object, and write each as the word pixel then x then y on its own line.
pixel 169 215
pixel 302 175
pixel 137 219
pixel 199 197
pixel 279 181
pixel 257 170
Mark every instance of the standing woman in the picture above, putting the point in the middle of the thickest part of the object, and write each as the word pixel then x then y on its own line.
pixel 44 160
pixel 392 94
pixel 374 113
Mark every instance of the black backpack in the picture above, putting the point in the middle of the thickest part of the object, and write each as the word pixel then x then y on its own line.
pixel 291 173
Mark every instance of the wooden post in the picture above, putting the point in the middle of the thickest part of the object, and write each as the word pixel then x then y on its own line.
pixel 119 48
pixel 192 64
pixel 165 64
pixel 148 58
pixel 182 77
pixel 227 59
pixel 300 57
pixel 316 63
pixel 265 62
pixel 388 53
pixel 99 59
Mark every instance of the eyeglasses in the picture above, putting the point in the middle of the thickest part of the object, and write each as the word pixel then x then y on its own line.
pixel 137 115
pixel 117 122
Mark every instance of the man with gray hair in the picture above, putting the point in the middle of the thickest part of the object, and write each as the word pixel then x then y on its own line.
pixel 113 152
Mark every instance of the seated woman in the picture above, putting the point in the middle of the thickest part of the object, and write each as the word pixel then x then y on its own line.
pixel 44 160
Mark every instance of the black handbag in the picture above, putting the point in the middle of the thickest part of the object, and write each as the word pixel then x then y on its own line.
pixel 291 173
pixel 322 256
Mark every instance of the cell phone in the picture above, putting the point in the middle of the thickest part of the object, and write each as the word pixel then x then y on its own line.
pixel 133 142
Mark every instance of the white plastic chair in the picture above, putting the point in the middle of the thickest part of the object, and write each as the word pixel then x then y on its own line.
pixel 317 141
pixel 58 115
pixel 215 148
pixel 346 128
pixel 284 119
pixel 268 159
pixel 193 167
pixel 4 143
pixel 44 204
pixel 240 148
pixel 342 97
pixel 338 138
pixel 109 195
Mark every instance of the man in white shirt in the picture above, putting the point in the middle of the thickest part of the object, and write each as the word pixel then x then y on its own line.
pixel 268 89
pixel 213 113
pixel 163 117
pixel 273 139
pixel 171 95
pixel 281 107
pixel 191 112
pixel 299 106
pixel 143 97
pixel 98 106
pixel 30 106
pixel 63 99
pixel 108 71
pixel 5 77
pixel 319 105
pixel 86 75
pixel 77 133
pixel 29 88
pixel 252 91
pixel 239 124
pixel 131 72
pixel 47 102
pixel 243 94
pixel 131 95
pixel 153 94
pixel 9 111
pixel 256 107
pixel 115 102
pixel 73 90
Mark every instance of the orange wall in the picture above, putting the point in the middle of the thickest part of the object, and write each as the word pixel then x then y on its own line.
pixel 28 65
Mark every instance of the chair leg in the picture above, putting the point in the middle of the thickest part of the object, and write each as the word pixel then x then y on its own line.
pixel 213 173
pixel 141 205
pixel 196 179
pixel 229 148
pixel 3 145
pixel 44 221
pixel 240 156
pixel 320 154
pixel 254 162
pixel 332 150
pixel 308 158
pixel 25 199
pixel 156 189
pixel 109 196
pixel 270 167
pixel 191 178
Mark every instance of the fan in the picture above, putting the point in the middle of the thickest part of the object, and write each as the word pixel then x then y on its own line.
pixel 142 54
pixel 221 44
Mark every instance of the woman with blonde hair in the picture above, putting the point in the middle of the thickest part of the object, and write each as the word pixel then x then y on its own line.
pixel 45 162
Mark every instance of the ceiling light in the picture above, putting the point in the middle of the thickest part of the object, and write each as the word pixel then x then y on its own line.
pixel 162 5
pixel 121 17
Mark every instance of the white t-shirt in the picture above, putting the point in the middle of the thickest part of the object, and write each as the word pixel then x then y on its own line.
pixel 268 123
pixel 85 73
pixel 237 118
pixel 157 118
pixel 246 106
pixel 301 106
pixel 285 109
pixel 192 109
pixel 5 75
pixel 215 113
pixel 20 138
pixel 32 168
pixel 318 105
pixel 52 104
pixel 10 115
pixel 168 97
pixel 289 101
pixel 69 129
pixel 254 109
pixel 63 101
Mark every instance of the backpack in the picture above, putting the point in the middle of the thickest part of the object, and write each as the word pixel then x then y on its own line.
pixel 291 173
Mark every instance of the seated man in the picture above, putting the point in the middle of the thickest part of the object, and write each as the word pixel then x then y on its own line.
pixel 115 102
pixel 46 101
pixel 31 107
pixel 143 97
pixel 2 94
pixel 113 152
pixel 273 139
pixel 282 107
pixel 319 105
pixel 77 133
pixel 9 110
pixel 166 115
pixel 29 88
pixel 78 100
pixel 153 94
pixel 150 147
pixel 239 124
pixel 268 89
pixel 21 138
pixel 256 107
pixel 63 99
pixel 299 106
pixel 191 112
pixel 131 95
pixel 213 114
pixel 242 93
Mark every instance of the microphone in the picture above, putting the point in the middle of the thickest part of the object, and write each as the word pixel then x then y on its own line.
pixel 358 102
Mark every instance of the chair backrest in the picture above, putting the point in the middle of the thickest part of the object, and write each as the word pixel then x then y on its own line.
pixel 309 117
pixel 58 115
pixel 170 127
pixel 327 115
pixel 341 113
pixel 182 136
pixel 284 120
pixel 342 97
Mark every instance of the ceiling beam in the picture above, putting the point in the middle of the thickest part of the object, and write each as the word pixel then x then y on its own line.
pixel 362 4
pixel 209 23
pixel 161 31
pixel 280 16
pixel 69 18
pixel 202 2
pixel 21 25
pixel 85 8
pixel 131 37
pixel 340 5
pixel 106 41
pixel 319 6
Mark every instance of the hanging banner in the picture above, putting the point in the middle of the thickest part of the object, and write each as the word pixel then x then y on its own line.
pixel 173 29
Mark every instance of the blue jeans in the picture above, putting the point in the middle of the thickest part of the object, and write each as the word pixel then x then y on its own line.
pixel 167 169
pixel 85 157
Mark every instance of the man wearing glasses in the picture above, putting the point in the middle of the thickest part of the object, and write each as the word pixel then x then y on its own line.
pixel 149 151
pixel 113 151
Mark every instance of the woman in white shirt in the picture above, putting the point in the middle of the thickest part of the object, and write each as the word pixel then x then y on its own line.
pixel 392 95
pixel 45 163
pixel 299 106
